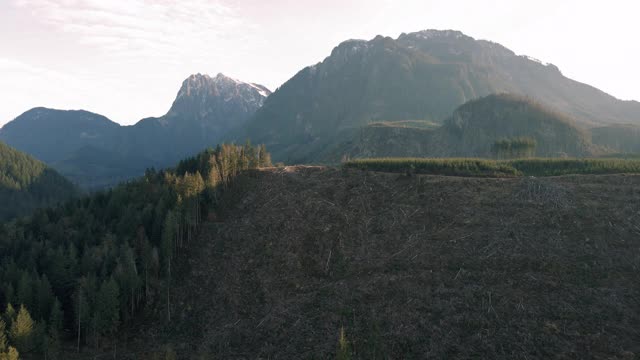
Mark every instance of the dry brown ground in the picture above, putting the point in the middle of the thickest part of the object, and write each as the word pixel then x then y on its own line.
pixel 422 267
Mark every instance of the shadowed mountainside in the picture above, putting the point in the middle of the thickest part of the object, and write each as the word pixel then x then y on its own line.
pixel 27 184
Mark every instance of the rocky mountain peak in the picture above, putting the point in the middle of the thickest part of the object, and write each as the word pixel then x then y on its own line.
pixel 203 86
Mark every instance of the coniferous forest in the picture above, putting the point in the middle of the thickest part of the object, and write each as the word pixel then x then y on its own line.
pixel 26 184
pixel 90 265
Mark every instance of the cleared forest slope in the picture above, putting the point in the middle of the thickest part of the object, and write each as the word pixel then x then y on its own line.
pixel 412 268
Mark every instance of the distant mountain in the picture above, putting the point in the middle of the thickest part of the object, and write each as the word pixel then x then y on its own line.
pixel 27 184
pixel 204 111
pixel 418 76
pixel 97 152
pixel 51 135
pixel 472 130
pixel 96 168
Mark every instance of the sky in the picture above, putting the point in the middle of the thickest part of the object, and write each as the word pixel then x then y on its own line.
pixel 126 59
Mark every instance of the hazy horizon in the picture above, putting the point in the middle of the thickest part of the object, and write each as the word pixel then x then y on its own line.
pixel 126 59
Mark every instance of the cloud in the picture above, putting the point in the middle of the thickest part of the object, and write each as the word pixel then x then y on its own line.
pixel 129 29
pixel 30 86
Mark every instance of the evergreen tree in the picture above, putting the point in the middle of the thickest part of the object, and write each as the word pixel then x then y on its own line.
pixel 9 315
pixel 264 159
pixel 3 337
pixel 53 332
pixel 12 354
pixel 55 316
pixel 22 331
pixel 252 156
pixel 344 350
pixel 44 297
pixel 81 313
pixel 25 290
pixel 108 307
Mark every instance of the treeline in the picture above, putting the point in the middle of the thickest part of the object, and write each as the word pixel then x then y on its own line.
pixel 449 166
pixel 513 148
pixel 496 168
pixel 26 184
pixel 555 167
pixel 92 264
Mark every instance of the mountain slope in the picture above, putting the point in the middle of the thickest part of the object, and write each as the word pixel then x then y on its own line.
pixel 472 131
pixel 27 184
pixel 475 126
pixel 423 75
pixel 620 138
pixel 50 134
pixel 204 111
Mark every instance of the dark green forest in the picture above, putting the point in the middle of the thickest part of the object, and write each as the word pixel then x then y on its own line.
pixel 27 184
pixel 91 265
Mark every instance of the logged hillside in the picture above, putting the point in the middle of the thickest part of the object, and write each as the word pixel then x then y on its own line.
pixel 423 75
pixel 473 130
pixel 410 268
pixel 27 184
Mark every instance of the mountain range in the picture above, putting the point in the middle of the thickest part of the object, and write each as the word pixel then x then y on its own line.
pixel 418 76
pixel 96 152
pixel 321 112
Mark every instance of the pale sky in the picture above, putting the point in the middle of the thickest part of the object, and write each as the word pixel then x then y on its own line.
pixel 126 59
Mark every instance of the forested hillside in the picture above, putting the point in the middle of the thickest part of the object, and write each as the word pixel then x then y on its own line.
pixel 499 125
pixel 619 138
pixel 85 269
pixel 477 127
pixel 27 184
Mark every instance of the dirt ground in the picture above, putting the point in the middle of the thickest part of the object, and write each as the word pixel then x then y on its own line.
pixel 414 267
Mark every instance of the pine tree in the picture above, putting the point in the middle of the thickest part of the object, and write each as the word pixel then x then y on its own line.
pixel 3 337
pixel 344 350
pixel 44 297
pixel 12 354
pixel 108 307
pixel 25 290
pixel 264 158
pixel 9 315
pixel 55 316
pixel 251 154
pixel 81 312
pixel 22 331
pixel 53 333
